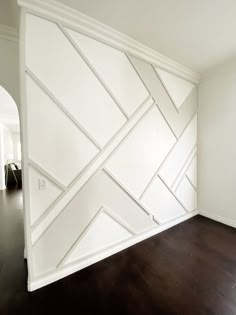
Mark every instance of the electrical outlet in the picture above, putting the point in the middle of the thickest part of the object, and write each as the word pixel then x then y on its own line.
pixel 42 183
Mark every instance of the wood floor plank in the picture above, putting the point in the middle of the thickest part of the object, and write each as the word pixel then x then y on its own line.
pixel 189 269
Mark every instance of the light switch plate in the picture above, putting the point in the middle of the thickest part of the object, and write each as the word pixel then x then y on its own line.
pixel 42 183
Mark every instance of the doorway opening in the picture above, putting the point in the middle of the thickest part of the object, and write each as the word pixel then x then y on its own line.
pixel 10 143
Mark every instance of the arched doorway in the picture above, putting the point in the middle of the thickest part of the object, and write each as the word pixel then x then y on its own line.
pixel 10 144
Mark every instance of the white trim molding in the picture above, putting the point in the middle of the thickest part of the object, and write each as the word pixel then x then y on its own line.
pixel 89 260
pixel 73 19
pixel 8 33
pixel 218 218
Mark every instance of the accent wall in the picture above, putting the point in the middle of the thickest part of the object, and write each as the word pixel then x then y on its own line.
pixel 111 153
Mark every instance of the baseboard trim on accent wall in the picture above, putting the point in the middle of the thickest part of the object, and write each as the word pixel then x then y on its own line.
pixel 66 271
pixel 218 218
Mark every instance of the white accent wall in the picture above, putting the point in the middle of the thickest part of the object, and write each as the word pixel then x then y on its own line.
pixel 111 153
pixel 217 149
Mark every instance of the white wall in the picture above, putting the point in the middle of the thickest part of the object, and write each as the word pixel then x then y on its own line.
pixel 8 145
pixel 6 151
pixel 9 67
pixel 111 149
pixel 16 146
pixel 217 149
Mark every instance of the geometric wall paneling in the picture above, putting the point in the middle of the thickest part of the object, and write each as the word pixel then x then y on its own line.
pixel 187 194
pixel 103 232
pixel 98 163
pixel 56 149
pixel 176 120
pixel 180 153
pixel 70 80
pixel 184 169
pixel 192 172
pixel 80 212
pixel 177 88
pixel 138 157
pixel 161 202
pixel 111 145
pixel 115 69
pixel 41 199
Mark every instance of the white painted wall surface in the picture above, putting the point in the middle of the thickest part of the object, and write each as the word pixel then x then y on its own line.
pixel 217 149
pixel 9 67
pixel 6 152
pixel 108 150
pixel 16 146
pixel 8 145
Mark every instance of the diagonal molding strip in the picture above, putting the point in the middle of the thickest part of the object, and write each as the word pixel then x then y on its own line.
pixel 167 92
pixel 61 106
pixel 93 70
pixel 184 169
pixel 80 22
pixel 80 237
pixel 151 94
pixel 170 190
pixel 190 182
pixel 76 186
pixel 177 121
pixel 46 174
pixel 138 202
pixel 110 213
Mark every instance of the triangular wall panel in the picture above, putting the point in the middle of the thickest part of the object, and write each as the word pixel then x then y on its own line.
pixel 103 232
pixel 115 69
pixel 177 88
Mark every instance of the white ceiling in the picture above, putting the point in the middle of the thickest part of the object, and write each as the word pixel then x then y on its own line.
pixel 9 116
pixel 197 33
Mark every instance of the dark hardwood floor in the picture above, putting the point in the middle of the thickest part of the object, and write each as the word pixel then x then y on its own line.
pixel 189 269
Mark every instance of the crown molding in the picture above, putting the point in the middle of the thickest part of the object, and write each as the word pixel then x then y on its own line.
pixel 71 18
pixel 8 33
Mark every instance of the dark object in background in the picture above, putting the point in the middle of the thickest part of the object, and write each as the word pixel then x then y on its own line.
pixel 13 175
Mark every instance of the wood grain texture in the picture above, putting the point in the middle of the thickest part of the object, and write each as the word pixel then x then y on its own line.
pixel 189 269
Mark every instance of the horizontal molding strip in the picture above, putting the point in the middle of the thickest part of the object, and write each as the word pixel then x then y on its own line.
pixel 78 265
pixel 8 33
pixel 78 21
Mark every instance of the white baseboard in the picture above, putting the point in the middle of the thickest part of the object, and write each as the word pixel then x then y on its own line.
pixel 74 267
pixel 217 218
